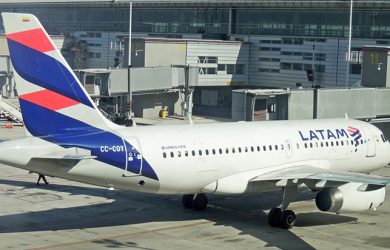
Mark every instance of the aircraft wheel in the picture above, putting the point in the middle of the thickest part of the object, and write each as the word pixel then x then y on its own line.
pixel 274 217
pixel 288 219
pixel 200 202
pixel 187 200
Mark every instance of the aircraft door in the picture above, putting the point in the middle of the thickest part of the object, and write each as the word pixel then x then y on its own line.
pixel 371 145
pixel 134 157
pixel 288 146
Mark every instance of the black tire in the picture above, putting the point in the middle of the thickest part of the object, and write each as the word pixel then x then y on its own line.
pixel 274 217
pixel 200 202
pixel 187 200
pixel 288 219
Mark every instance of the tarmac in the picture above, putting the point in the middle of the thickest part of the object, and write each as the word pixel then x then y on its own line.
pixel 70 215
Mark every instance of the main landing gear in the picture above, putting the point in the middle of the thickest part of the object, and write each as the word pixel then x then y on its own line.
pixel 281 217
pixel 195 201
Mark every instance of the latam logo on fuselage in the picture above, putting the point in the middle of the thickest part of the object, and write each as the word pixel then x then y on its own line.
pixel 323 134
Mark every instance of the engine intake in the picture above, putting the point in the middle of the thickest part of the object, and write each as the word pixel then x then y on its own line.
pixel 348 198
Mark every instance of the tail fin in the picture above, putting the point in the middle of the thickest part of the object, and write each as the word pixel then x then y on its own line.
pixel 51 97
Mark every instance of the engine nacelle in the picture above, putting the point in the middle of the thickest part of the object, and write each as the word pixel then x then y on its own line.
pixel 347 198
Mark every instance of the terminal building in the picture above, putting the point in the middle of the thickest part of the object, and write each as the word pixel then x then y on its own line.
pixel 235 44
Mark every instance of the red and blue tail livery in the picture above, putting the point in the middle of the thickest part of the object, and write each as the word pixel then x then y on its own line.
pixel 54 105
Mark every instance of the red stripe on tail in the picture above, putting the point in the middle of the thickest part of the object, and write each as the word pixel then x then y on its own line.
pixel 35 39
pixel 49 99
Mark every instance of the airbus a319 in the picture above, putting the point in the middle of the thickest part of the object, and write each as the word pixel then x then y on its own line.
pixel 69 138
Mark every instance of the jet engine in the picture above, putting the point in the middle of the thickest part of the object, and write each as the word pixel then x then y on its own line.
pixel 350 197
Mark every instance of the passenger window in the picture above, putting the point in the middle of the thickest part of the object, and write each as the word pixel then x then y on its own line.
pixel 193 152
pixel 337 143
pixel 311 144
pixel 258 148
pixel 322 144
pixel 252 149
pixel 220 151
pixel 331 143
pixel 239 149
pixel 276 147
pixel 233 150
pixel 186 153
pixel 282 146
pixel 347 142
pixel 316 143
pixel 342 143
pixel 351 142
pixel 297 145
pixel 172 154
pixel 227 151
pixel 200 152
pixel 361 141
pixel 305 145
pixel 207 152
pixel 165 155
pixel 178 153
pixel 327 144
pixel 246 149
pixel 213 151
pixel 270 148
pixel 264 148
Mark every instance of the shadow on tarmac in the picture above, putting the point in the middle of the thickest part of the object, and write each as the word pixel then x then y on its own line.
pixel 245 213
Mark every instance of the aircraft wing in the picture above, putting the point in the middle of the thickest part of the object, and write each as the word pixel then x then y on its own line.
pixel 320 177
pixel 274 178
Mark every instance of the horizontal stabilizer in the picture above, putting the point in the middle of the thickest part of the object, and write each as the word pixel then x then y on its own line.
pixel 66 157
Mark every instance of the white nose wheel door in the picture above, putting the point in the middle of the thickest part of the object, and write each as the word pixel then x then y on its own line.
pixel 134 157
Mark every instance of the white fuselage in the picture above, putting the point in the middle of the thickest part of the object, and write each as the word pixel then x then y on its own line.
pixel 187 158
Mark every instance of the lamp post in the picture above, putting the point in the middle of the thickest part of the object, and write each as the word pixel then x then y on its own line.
pixel 349 44
pixel 129 113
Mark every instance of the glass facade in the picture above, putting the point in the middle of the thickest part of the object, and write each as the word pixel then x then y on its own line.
pixel 317 23
pixel 284 22
pixel 68 19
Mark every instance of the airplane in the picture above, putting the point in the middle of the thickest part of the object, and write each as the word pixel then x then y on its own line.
pixel 67 137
